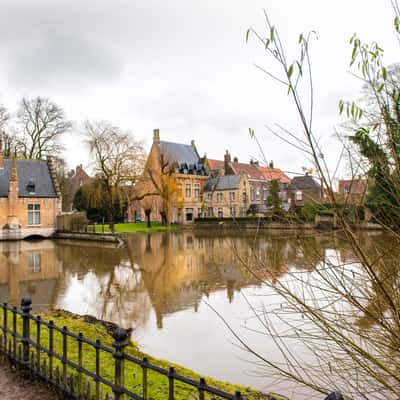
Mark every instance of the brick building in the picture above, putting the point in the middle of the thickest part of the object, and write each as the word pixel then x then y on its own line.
pixel 76 178
pixel 259 177
pixel 30 198
pixel 182 164
pixel 353 191
pixel 304 188
pixel 227 196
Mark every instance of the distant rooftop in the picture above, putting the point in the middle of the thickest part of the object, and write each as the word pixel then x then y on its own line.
pixel 226 182
pixel 304 182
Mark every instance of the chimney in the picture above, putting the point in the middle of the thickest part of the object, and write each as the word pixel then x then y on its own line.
pixel 251 161
pixel 156 136
pixel 13 173
pixel 227 157
pixel 12 219
pixel 227 160
pixel 192 143
pixel 271 164
pixel 236 160
pixel 255 163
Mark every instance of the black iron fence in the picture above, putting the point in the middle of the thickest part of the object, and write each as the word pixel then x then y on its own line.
pixel 34 344
pixel 74 364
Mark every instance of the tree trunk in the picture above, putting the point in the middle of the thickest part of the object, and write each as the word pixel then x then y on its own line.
pixel 164 221
pixel 148 213
pixel 111 219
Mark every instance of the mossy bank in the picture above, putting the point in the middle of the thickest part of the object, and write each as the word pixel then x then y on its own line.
pixel 157 384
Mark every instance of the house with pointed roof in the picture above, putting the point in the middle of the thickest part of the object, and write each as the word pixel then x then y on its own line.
pixel 303 188
pixel 30 198
pixel 175 174
pixel 227 196
pixel 353 191
pixel 259 177
pixel 76 178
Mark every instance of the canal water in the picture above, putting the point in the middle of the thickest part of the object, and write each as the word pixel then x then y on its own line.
pixel 179 291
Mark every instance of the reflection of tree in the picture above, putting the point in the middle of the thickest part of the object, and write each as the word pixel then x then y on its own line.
pixel 386 251
pixel 111 288
pixel 178 269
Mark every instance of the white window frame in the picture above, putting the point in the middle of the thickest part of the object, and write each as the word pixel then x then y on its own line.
pixel 34 216
pixel 197 191
pixel 188 190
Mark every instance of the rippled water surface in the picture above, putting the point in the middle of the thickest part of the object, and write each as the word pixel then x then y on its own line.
pixel 167 287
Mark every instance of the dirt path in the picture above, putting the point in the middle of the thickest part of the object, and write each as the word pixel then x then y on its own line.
pixel 13 386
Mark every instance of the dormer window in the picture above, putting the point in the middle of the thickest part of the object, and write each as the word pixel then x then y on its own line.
pixel 31 186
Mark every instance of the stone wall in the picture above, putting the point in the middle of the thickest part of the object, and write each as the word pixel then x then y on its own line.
pixel 49 209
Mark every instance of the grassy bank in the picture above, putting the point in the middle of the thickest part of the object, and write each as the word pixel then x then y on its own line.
pixel 157 383
pixel 133 227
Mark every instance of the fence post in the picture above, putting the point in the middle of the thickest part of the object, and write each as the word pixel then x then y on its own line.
pixel 26 308
pixel 120 336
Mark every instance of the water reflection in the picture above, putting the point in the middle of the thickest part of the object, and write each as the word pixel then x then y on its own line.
pixel 156 284
pixel 29 269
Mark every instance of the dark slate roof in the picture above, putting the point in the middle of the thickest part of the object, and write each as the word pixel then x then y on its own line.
pixel 179 153
pixel 225 182
pixel 304 182
pixel 28 170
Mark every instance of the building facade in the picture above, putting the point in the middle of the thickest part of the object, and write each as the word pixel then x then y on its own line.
pixel 76 178
pixel 353 191
pixel 303 188
pixel 175 173
pixel 259 177
pixel 227 196
pixel 30 198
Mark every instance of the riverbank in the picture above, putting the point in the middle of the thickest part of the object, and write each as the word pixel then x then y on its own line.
pixel 257 224
pixel 136 227
pixel 157 384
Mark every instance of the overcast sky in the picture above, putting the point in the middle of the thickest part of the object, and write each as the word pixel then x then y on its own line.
pixel 183 66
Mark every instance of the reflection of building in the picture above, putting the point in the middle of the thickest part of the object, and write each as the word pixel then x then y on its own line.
pixel 179 268
pixel 30 199
pixel 29 269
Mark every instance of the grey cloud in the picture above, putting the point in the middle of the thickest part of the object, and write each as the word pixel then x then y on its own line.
pixel 188 108
pixel 59 60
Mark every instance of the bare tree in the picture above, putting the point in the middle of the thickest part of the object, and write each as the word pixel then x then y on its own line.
pixel 41 125
pixel 118 162
pixel 4 117
pixel 345 314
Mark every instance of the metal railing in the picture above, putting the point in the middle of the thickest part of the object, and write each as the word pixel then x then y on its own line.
pixel 29 341
pixel 57 356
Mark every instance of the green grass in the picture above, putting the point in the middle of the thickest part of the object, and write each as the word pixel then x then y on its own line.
pixel 136 227
pixel 157 383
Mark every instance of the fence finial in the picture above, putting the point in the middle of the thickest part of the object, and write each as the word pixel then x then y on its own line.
pixel 25 303
pixel 120 335
pixel 334 396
